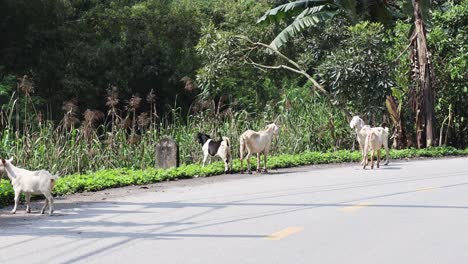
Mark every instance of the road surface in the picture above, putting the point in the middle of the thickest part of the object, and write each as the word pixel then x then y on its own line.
pixel 407 212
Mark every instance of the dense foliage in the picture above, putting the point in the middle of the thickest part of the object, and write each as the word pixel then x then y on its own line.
pixel 107 79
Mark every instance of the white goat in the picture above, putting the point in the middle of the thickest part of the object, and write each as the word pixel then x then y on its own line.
pixel 374 141
pixel 257 142
pixel 30 182
pixel 362 130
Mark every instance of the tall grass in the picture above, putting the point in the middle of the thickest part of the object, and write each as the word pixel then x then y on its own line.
pixel 126 136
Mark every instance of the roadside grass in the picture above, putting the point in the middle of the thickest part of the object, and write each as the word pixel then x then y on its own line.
pixel 113 178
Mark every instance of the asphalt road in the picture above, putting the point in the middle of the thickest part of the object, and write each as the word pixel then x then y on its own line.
pixel 407 212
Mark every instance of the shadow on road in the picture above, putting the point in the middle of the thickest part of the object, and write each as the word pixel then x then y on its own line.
pixel 101 220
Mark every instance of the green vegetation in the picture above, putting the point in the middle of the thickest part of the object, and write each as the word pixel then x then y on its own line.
pixel 6 193
pixel 186 51
pixel 66 149
pixel 112 178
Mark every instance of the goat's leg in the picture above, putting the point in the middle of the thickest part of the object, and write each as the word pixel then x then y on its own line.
pixel 365 154
pixel 361 149
pixel 378 158
pixel 241 157
pixel 226 157
pixel 364 163
pixel 265 162
pixel 258 162
pixel 205 156
pixel 241 169
pixel 248 162
pixel 17 196
pixel 51 205
pixel 46 203
pixel 49 199
pixel 226 164
pixel 386 153
pixel 372 160
pixel 28 202
pixel 229 157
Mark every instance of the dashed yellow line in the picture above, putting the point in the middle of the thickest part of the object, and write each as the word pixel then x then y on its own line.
pixel 284 233
pixel 355 207
pixel 427 189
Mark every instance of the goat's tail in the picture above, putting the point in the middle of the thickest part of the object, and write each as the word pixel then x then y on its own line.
pixel 53 180
pixel 242 147
pixel 228 142
pixel 242 151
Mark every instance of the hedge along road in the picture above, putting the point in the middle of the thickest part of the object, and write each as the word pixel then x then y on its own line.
pixel 407 212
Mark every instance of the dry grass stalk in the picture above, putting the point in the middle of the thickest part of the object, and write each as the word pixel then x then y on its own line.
pixel 189 84
pixel 71 111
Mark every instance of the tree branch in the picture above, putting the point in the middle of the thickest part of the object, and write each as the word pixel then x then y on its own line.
pixel 409 45
pixel 297 69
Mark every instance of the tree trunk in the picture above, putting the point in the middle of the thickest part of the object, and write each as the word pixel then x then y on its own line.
pixel 425 78
pixel 399 134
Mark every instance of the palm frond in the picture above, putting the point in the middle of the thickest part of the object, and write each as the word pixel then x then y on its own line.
pixel 300 24
pixel 284 10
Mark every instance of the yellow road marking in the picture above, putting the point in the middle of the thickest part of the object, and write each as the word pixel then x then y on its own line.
pixel 284 233
pixel 355 207
pixel 426 189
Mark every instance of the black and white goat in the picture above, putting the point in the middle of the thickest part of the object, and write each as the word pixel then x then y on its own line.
pixel 220 148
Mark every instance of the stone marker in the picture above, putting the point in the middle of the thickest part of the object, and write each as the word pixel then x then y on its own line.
pixel 167 153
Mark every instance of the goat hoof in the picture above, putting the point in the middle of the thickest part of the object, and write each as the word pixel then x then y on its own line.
pixel 13 212
pixel 42 212
pixel 28 211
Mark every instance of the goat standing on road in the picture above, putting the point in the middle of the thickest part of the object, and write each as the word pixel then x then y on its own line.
pixel 362 130
pixel 30 182
pixel 211 147
pixel 374 141
pixel 254 142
